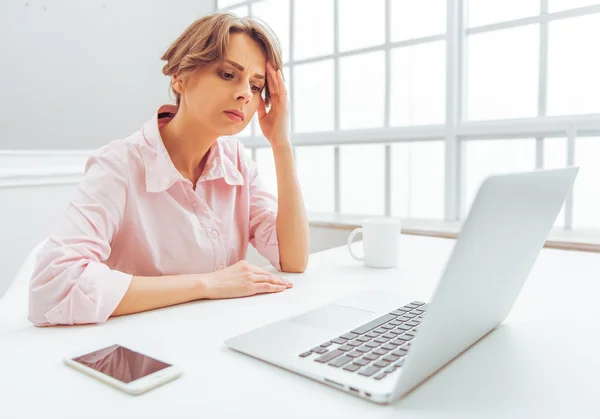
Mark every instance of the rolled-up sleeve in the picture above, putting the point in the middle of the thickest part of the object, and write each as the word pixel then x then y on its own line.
pixel 71 284
pixel 263 218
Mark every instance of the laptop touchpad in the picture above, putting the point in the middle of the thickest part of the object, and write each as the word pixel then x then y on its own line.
pixel 334 317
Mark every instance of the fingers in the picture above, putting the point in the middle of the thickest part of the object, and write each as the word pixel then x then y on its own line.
pixel 272 279
pixel 276 82
pixel 265 287
pixel 272 79
pixel 262 108
pixel 281 85
pixel 261 275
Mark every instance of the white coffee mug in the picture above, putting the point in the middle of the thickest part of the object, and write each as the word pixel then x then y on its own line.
pixel 381 242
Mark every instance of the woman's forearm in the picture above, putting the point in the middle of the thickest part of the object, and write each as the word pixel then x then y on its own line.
pixel 148 293
pixel 292 224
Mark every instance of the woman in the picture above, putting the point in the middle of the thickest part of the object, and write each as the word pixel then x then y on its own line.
pixel 165 216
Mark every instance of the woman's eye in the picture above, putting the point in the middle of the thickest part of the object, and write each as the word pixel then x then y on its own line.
pixel 256 88
pixel 226 75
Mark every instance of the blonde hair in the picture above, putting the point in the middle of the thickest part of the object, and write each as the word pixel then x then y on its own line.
pixel 205 42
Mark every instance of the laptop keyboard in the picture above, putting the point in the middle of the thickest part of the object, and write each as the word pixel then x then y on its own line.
pixel 376 348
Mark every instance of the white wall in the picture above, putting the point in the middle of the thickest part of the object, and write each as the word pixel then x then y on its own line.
pixel 34 191
pixel 76 74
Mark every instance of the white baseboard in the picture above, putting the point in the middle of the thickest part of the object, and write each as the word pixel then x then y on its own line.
pixel 22 168
pixel 35 187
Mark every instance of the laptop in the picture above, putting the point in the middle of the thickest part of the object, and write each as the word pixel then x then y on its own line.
pixel 380 346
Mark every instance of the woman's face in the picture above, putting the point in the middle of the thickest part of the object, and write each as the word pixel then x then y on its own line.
pixel 224 96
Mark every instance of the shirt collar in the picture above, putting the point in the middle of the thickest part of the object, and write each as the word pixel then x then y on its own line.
pixel 161 173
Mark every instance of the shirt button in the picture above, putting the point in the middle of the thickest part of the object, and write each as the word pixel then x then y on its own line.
pixel 214 233
pixel 221 267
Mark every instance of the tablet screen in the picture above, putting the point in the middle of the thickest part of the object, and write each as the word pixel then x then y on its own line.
pixel 121 363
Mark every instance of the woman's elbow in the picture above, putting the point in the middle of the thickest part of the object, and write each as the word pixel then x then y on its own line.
pixel 37 309
pixel 296 266
pixel 53 306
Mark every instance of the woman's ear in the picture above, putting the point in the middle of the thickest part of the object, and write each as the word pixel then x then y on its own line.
pixel 176 82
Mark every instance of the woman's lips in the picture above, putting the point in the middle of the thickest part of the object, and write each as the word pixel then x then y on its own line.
pixel 234 117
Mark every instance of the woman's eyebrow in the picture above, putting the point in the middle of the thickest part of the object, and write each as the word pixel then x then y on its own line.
pixel 241 68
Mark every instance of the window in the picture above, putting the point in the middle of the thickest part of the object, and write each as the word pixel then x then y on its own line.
pixel 228 3
pixel 362 24
pixel 417 19
pixel 241 11
pixel 586 206
pixel 314 96
pixel 484 12
pixel 276 14
pixel 266 169
pixel 379 109
pixel 362 179
pixel 316 176
pixel 489 157
pixel 418 180
pixel 362 91
pixel 313 32
pixel 502 79
pixel 418 84
pixel 573 81
pixel 555 157
pixel 561 5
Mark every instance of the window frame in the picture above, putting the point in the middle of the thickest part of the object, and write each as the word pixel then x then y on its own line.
pixel 456 129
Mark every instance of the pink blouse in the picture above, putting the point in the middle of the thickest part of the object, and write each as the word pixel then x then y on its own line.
pixel 135 214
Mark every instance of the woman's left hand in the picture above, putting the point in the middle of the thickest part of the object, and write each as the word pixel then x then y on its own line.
pixel 275 123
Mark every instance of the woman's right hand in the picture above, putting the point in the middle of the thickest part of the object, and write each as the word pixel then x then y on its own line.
pixel 240 280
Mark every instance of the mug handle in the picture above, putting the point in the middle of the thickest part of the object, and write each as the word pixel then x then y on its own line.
pixel 350 238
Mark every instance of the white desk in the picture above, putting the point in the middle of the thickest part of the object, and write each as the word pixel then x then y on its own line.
pixel 542 362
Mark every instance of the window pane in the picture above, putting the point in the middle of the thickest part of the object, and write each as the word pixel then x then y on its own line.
pixel 559 5
pixel 246 131
pixel 573 67
pixel 417 19
pixel 361 24
pixel 502 77
pixel 313 32
pixel 418 95
pixel 313 96
pixel 362 83
pixel 586 205
pixel 286 76
pixel 427 180
pixel 225 3
pixel 276 13
pixel 418 180
pixel 401 179
pixel 266 169
pixel 484 12
pixel 316 175
pixel 241 11
pixel 255 125
pixel 248 152
pixel 362 185
pixel 555 157
pixel 487 157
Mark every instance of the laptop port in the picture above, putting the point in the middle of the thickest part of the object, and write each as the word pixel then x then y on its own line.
pixel 367 394
pixel 354 389
pixel 333 382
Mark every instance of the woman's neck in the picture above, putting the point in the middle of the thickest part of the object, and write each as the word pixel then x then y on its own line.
pixel 187 143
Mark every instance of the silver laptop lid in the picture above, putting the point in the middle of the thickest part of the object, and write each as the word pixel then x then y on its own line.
pixel 500 240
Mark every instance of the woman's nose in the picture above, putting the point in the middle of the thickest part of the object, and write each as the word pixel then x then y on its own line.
pixel 245 92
